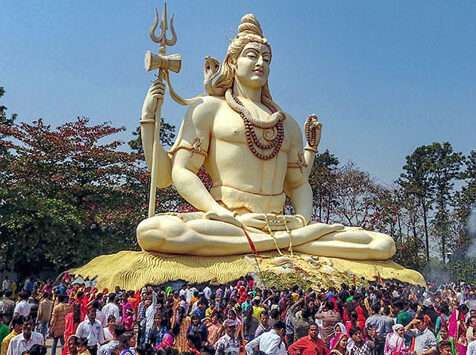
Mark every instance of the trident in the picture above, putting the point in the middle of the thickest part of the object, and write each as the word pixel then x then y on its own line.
pixel 163 64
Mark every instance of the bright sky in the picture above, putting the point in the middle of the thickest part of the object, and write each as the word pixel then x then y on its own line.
pixel 384 76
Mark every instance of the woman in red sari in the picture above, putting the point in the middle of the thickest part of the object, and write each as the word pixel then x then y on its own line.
pixel 71 322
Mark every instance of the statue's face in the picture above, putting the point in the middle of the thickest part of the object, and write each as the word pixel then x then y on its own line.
pixel 252 65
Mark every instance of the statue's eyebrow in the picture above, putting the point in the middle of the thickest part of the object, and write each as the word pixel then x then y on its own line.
pixel 253 49
pixel 259 49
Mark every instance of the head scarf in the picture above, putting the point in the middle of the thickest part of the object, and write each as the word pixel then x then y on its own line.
pixel 337 336
pixel 394 342
pixel 396 327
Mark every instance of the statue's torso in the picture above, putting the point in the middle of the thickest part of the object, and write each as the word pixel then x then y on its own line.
pixel 236 173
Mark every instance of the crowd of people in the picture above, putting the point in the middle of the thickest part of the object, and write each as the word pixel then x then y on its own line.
pixel 385 318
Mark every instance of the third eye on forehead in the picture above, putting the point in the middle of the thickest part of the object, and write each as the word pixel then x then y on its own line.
pixel 257 48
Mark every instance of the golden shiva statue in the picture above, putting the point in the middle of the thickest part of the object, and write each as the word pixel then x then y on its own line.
pixel 254 154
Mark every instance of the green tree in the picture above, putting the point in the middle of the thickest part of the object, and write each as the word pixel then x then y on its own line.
pixel 445 170
pixel 5 122
pixel 415 181
pixel 66 195
pixel 355 197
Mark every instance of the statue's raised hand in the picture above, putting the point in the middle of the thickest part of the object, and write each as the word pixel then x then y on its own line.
pixel 154 98
pixel 312 130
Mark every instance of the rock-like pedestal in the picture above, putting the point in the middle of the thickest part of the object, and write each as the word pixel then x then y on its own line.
pixel 134 269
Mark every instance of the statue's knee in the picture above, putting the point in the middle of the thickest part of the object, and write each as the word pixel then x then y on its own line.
pixel 145 234
pixel 154 231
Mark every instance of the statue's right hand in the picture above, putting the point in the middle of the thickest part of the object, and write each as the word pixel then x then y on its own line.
pixel 154 96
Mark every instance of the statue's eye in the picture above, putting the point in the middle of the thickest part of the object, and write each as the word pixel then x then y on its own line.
pixel 208 67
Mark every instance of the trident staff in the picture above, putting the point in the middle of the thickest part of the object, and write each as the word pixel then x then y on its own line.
pixel 163 64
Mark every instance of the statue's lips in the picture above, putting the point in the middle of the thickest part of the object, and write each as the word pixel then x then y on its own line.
pixel 258 72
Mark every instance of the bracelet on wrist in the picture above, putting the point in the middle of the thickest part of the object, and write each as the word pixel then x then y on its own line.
pixel 311 149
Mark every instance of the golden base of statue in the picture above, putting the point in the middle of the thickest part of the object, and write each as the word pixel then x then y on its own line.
pixel 134 269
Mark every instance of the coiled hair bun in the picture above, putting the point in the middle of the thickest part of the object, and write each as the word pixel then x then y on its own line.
pixel 249 24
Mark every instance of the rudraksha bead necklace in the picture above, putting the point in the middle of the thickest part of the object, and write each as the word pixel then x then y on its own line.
pixel 273 130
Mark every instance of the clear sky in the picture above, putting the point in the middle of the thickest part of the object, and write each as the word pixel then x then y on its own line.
pixel 384 76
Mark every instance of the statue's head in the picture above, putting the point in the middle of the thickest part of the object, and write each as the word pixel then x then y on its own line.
pixel 248 45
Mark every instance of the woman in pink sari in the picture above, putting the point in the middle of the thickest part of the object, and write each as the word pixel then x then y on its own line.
pixel 457 328
pixel 340 346
pixel 395 342
pixel 127 315
pixel 334 338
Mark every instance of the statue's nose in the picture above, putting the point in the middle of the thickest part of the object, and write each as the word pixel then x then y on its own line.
pixel 260 61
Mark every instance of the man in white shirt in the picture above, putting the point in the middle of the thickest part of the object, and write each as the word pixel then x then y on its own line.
pixel 22 308
pixel 149 316
pixel 100 316
pixel 92 330
pixel 111 308
pixel 24 341
pixel 270 343
pixel 471 350
pixel 113 344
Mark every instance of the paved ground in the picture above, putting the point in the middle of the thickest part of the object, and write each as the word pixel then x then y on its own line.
pixel 49 341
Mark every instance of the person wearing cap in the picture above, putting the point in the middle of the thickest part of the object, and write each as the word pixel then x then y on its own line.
pixel 228 344
pixel 270 343
pixel 310 344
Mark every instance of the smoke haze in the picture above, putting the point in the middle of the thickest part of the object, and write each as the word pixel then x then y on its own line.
pixel 471 253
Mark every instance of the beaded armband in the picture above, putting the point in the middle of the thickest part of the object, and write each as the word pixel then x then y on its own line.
pixel 299 164
pixel 195 147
